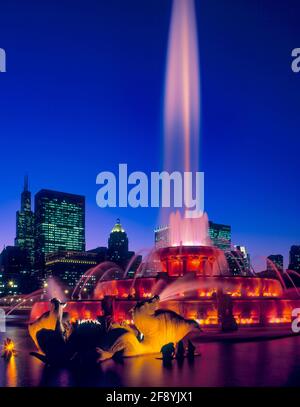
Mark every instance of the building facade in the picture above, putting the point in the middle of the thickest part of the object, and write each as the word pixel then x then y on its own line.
pixel 294 263
pixel 238 261
pixel 117 251
pixel 220 235
pixel 274 260
pixel 59 224
pixel 69 266
pixel 13 262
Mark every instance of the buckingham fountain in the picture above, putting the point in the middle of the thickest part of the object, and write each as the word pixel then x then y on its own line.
pixel 192 280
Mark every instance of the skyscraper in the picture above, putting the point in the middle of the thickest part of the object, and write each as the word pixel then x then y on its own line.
pixel 118 245
pixel 25 227
pixel 294 258
pixel 242 250
pixel 220 235
pixel 275 260
pixel 238 261
pixel 59 223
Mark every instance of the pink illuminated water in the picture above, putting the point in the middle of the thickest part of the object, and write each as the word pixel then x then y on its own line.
pixel 26 299
pixel 287 273
pixel 189 231
pixel 187 286
pixel 145 251
pixel 271 264
pixel 182 98
pixel 87 277
pixel 54 289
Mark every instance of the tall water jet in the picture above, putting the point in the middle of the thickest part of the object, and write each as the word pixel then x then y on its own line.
pixel 189 231
pixel 182 93
pixel 182 113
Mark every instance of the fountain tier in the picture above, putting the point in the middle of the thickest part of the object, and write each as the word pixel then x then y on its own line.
pixel 189 281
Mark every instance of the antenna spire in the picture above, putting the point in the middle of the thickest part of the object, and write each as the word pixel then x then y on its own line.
pixel 26 183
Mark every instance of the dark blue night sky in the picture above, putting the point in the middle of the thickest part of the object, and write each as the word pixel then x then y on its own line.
pixel 84 91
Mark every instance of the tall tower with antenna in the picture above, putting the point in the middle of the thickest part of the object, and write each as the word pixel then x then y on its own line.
pixel 25 226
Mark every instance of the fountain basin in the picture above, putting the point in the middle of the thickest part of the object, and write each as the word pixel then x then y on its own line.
pixel 247 312
pixel 189 282
pixel 205 287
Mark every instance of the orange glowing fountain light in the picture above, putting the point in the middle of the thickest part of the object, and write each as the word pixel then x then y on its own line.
pixel 9 349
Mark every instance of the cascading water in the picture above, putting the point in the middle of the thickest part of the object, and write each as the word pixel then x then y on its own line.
pixel 189 231
pixel 182 119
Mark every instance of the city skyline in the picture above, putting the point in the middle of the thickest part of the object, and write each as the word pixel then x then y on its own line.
pixel 26 205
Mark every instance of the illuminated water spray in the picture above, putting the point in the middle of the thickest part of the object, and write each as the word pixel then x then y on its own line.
pixel 182 92
pixel 182 116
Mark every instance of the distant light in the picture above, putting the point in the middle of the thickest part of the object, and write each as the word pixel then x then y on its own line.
pixel 9 349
